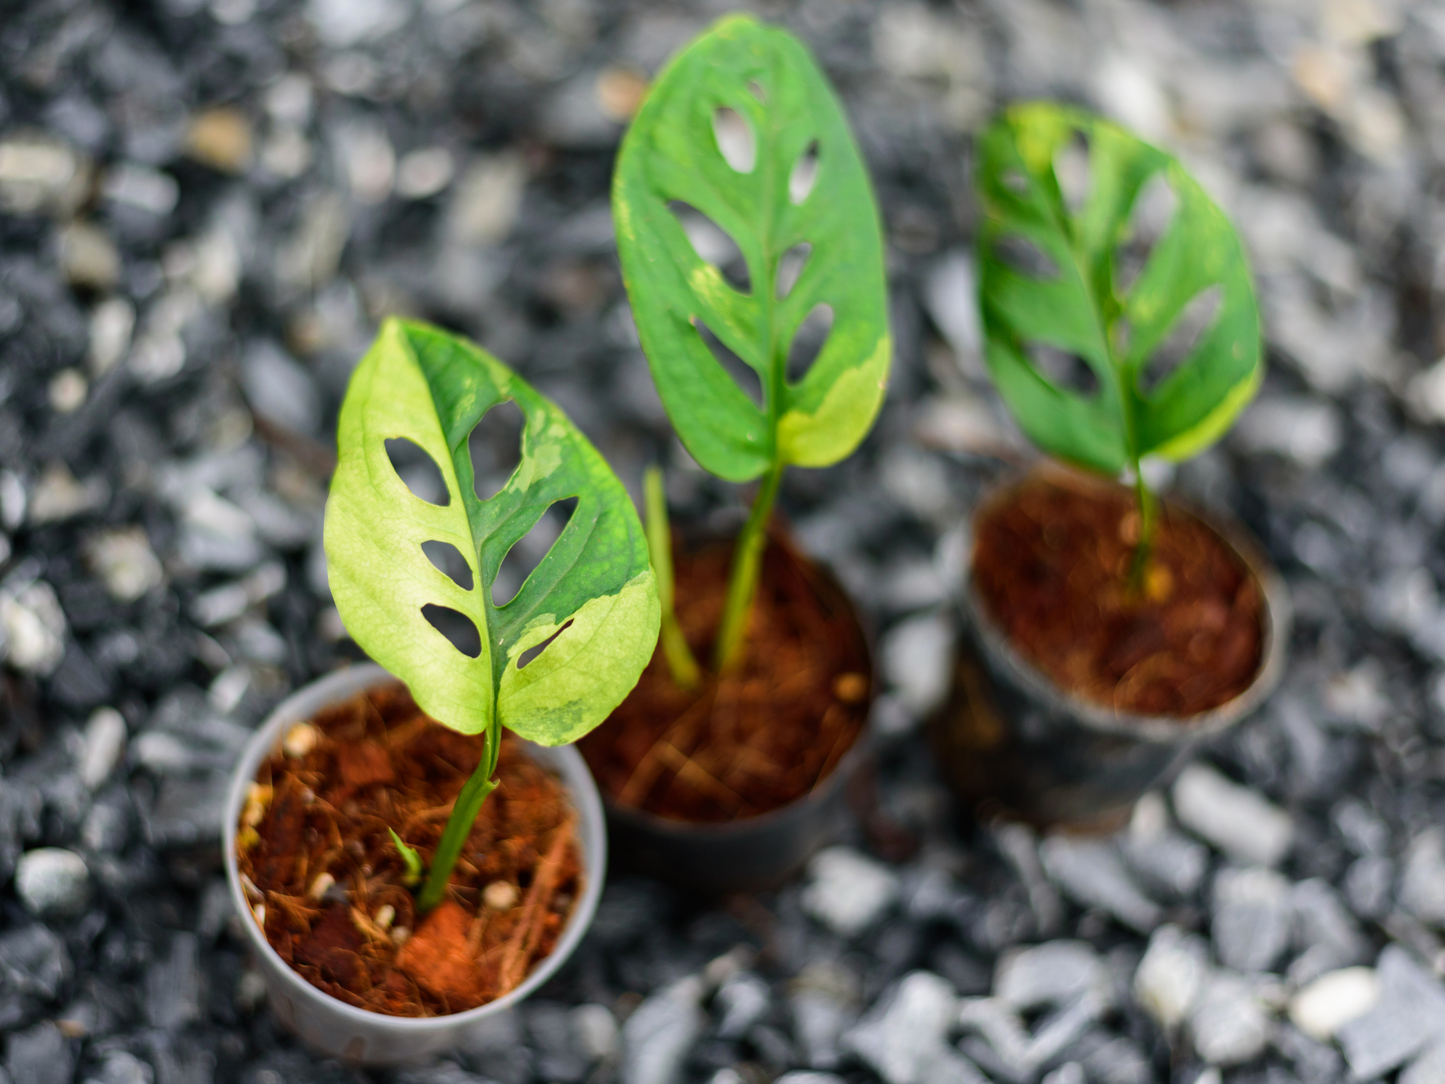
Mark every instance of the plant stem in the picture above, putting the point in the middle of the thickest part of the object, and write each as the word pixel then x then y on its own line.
pixel 680 661
pixel 1148 519
pixel 459 825
pixel 747 564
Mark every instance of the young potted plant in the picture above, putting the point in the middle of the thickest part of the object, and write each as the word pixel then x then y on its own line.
pixel 391 906
pixel 1108 631
pixel 723 767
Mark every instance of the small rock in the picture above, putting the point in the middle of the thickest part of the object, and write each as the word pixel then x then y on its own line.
pixel 1306 430
pixel 486 200
pixel 59 496
pixel 1092 872
pixel 797 1076
pixel 104 742
pixel 1428 1068
pixel 343 23
pixel 67 391
pixel 1367 886
pixel 221 138
pixel 1008 1050
pixel 424 173
pixel 906 1031
pixel 125 562
pixel 32 628
pixel 34 961
pixel 1071 1072
pixel 819 1023
pixel 743 1000
pixel 173 985
pixel 1422 885
pixel 142 188
pixel 40 1055
pixel 1171 975
pixel 1334 999
pixel 847 891
pixel 1237 820
pixel 88 257
pixel 1228 1023
pixel 595 1032
pixel 1251 923
pixel 917 661
pixel 52 881
pixel 369 161
pixel 39 173
pixel 660 1033
pixel 1409 1014
pixel 279 389
pixel 1054 973
pixel 121 1067
pixel 1331 936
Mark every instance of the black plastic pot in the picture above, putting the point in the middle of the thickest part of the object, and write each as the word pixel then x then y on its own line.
pixel 1013 744
pixel 758 852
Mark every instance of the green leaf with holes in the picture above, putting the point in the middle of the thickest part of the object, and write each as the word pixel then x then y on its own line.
pixel 1070 297
pixel 593 594
pixel 671 156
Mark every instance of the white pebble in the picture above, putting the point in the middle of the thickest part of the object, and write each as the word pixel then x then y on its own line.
pixel 104 742
pixel 1334 999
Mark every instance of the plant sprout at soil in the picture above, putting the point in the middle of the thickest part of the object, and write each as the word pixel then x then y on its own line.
pixel 551 662
pixel 1119 314
pixel 741 147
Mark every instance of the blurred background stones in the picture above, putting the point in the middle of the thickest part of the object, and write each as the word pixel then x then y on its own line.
pixel 207 205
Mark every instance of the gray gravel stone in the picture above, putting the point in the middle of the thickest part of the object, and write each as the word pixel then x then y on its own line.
pixel 1410 1012
pixel 903 1035
pixel 1054 973
pixel 1251 923
pixel 1094 875
pixel 1228 1024
pixel 1422 883
pixel 39 1055
pixel 659 1034
pixel 847 891
pixel 52 881
pixel 1237 820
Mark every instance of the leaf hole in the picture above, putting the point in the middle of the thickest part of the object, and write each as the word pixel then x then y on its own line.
pixel 456 626
pixel 743 374
pixel 1025 257
pixel 790 267
pixel 756 90
pixel 495 445
pixel 1193 323
pixel 808 343
pixel 1071 169
pixel 735 140
pixel 804 175
pixel 1015 181
pixel 529 551
pixel 1063 370
pixel 448 560
pixel 713 245
pixel 1149 220
pixel 525 658
pixel 417 470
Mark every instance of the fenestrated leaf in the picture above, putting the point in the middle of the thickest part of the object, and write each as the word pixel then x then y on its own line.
pixel 671 153
pixel 432 388
pixel 1079 307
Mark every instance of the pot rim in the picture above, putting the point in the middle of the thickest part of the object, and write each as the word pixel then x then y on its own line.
pixel 348 682
pixel 844 769
pixel 1278 622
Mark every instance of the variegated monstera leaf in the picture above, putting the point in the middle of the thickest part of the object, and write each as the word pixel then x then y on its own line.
pixel 591 600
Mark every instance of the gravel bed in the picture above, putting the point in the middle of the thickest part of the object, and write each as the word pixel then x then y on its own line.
pixel 206 206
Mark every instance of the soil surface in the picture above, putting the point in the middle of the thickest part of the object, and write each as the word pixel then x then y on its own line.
pixel 327 882
pixel 759 737
pixel 1051 563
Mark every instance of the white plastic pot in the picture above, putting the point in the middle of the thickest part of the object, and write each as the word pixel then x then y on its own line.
pixel 357 1035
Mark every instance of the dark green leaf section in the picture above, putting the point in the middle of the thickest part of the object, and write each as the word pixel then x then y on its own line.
pixel 422 384
pixel 1080 308
pixel 671 153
